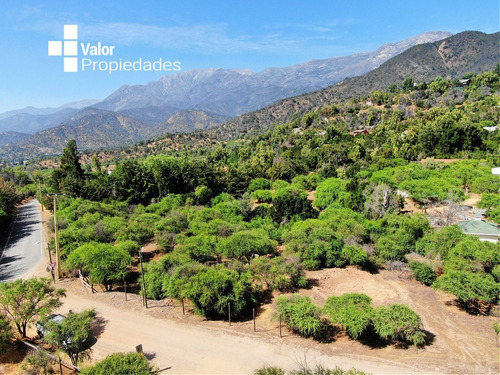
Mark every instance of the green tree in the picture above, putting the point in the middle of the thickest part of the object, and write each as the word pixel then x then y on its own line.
pixel 24 300
pixel 72 172
pixel 246 244
pixel 213 289
pixel 288 202
pixel 269 370
pixel 354 255
pixel 475 291
pixel 105 264
pixel 202 194
pixel 398 323
pixel 72 335
pixel 121 364
pixel 408 84
pixel 5 333
pixel 315 243
pixel 278 273
pixel 300 314
pixel 352 311
pixel 332 190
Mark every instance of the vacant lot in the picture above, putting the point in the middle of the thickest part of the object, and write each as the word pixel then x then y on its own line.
pixel 189 344
pixel 463 344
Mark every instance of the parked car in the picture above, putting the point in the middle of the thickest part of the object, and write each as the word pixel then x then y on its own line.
pixel 40 326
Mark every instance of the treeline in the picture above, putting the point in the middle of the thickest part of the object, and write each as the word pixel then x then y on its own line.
pixel 251 216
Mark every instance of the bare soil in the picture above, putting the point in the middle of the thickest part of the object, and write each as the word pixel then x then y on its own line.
pixel 189 344
pixel 460 343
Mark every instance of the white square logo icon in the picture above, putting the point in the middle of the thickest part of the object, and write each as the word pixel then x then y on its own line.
pixel 71 64
pixel 70 48
pixel 70 31
pixel 55 48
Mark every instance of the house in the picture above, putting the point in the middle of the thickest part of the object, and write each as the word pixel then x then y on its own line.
pixel 358 132
pixel 495 171
pixel 482 229
pixel 490 128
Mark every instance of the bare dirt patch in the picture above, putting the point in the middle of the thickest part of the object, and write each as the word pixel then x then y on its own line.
pixel 462 344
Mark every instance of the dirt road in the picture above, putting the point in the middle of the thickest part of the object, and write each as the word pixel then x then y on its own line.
pixel 198 347
pixel 187 344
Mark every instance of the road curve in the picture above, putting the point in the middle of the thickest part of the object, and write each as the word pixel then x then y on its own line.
pixel 24 247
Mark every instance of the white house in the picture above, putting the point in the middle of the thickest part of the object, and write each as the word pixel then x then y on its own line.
pixel 482 229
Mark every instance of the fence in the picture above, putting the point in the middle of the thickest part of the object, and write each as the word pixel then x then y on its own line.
pixel 85 282
pixel 58 360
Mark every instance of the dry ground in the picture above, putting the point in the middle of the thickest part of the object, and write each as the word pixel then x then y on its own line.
pixel 462 344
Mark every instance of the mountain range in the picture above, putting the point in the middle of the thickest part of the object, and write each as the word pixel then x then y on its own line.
pixel 453 57
pixel 202 99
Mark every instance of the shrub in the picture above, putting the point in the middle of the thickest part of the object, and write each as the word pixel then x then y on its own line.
pixel 269 370
pixel 422 272
pixel 279 273
pixel 5 333
pixel 471 289
pixel 263 196
pixel 353 255
pixel 121 363
pixel 352 311
pixel 398 323
pixel 259 184
pixel 315 243
pixel 300 314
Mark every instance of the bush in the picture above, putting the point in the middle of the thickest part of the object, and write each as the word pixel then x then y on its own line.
pixel 328 192
pixel 269 370
pixel 320 370
pixel 289 202
pixel 422 272
pixel 212 289
pixel 315 243
pixel 278 273
pixel 259 184
pixel 246 244
pixel 398 323
pixel 120 364
pixel 354 255
pixel 262 196
pixel 471 289
pixel 5 333
pixel 352 311
pixel 105 264
pixel 301 315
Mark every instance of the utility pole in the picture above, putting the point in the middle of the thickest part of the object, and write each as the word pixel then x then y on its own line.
pixel 56 239
pixel 144 297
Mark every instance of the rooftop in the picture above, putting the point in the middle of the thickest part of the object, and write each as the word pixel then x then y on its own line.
pixel 479 227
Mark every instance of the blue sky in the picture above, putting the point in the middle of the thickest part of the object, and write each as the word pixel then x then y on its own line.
pixel 202 34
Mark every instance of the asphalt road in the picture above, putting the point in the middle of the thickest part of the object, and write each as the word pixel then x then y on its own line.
pixel 24 247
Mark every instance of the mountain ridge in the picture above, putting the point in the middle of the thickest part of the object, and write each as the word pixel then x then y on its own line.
pixel 149 109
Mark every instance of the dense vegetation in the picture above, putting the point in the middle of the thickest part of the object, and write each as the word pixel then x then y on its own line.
pixel 235 220
pixel 352 313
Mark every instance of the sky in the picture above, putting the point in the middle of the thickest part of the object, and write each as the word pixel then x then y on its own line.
pixel 234 34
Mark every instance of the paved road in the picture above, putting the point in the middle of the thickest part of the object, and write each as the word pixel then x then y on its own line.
pixel 24 247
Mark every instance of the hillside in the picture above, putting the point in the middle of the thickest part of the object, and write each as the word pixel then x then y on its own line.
pixel 469 51
pixel 96 129
pixel 235 91
pixel 211 96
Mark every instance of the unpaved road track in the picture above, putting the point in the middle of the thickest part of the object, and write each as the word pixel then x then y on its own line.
pixel 193 349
